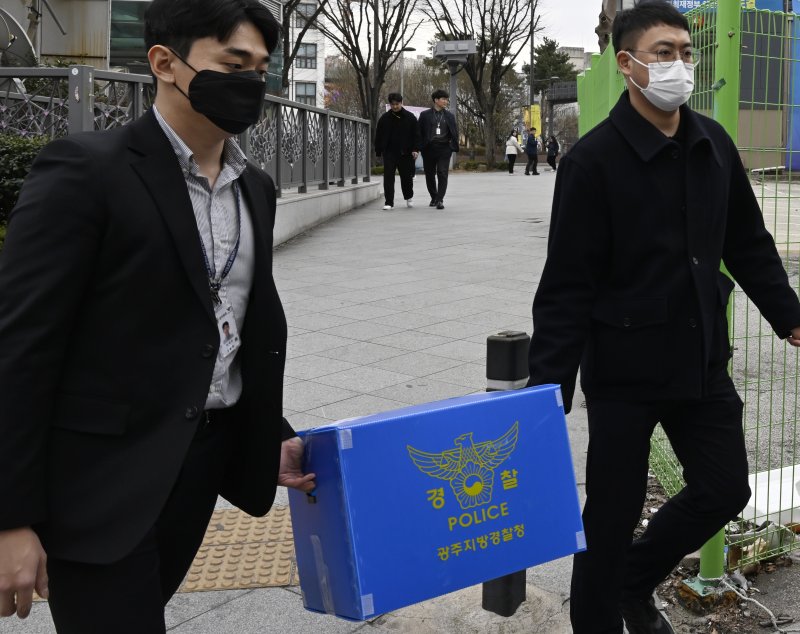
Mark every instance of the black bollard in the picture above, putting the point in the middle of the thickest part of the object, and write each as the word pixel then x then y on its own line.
pixel 506 369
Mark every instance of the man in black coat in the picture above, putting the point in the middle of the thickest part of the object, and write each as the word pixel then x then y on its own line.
pixel 532 150
pixel 397 140
pixel 123 411
pixel 439 139
pixel 647 207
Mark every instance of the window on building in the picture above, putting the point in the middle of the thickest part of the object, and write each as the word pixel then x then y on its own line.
pixel 303 12
pixel 306 56
pixel 126 46
pixel 305 92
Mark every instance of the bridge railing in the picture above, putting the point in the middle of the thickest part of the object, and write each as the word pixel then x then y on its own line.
pixel 299 146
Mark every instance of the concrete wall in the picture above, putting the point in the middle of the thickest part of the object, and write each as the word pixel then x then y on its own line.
pixel 300 212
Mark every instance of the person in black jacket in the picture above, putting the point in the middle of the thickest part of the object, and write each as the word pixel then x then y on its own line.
pixel 397 140
pixel 552 152
pixel 439 139
pixel 632 293
pixel 532 150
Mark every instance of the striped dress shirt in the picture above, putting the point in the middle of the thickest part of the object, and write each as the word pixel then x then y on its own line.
pixel 217 224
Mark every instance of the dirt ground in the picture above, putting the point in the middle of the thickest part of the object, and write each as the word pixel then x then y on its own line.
pixel 775 584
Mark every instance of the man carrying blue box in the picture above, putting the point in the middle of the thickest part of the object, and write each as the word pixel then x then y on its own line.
pixel 633 294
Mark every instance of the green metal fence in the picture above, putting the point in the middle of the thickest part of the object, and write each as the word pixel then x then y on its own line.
pixel 748 79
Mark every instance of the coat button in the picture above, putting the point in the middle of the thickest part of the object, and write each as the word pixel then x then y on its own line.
pixel 208 351
pixel 191 412
pixel 692 323
pixel 626 322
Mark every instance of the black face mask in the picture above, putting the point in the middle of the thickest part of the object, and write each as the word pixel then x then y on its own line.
pixel 231 101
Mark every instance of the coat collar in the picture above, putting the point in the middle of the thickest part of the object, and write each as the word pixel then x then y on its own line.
pixel 157 165
pixel 647 140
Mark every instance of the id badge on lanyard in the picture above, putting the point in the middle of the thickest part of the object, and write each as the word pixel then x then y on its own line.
pixel 229 340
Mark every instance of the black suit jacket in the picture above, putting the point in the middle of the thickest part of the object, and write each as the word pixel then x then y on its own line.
pixel 631 289
pixel 108 342
pixel 426 121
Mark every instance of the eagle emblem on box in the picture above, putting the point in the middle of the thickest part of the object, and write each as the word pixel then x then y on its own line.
pixel 469 468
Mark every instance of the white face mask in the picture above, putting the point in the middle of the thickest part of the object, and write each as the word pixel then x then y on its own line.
pixel 670 87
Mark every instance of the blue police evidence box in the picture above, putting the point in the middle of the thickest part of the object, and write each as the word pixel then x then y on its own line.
pixel 418 502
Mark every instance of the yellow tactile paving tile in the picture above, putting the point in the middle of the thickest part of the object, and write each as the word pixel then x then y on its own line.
pixel 232 526
pixel 240 551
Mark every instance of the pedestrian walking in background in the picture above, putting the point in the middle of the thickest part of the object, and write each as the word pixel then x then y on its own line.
pixel 397 140
pixel 552 152
pixel 631 292
pixel 130 401
pixel 532 150
pixel 439 139
pixel 512 149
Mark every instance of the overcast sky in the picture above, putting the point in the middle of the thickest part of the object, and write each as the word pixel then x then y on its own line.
pixel 569 22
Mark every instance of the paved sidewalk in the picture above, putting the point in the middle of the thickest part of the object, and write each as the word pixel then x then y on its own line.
pixel 387 309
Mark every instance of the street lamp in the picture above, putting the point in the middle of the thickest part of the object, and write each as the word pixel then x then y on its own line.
pixel 402 64
pixel 550 104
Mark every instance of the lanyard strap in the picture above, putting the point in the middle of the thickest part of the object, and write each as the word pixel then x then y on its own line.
pixel 214 282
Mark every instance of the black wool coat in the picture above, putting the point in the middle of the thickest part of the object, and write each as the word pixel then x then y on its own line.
pixel 397 133
pixel 631 289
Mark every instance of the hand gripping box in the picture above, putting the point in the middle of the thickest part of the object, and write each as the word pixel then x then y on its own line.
pixel 415 503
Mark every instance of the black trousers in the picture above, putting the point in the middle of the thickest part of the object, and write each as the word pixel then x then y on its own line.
pixel 403 163
pixel 708 440
pixel 533 164
pixel 436 160
pixel 512 158
pixel 128 596
pixel 551 161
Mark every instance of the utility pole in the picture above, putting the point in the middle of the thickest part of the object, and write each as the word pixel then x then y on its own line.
pixel 375 33
pixel 532 82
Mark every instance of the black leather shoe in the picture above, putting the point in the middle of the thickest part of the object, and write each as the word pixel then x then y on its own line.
pixel 432 203
pixel 440 205
pixel 642 617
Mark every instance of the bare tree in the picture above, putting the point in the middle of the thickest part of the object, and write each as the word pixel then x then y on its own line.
pixel 351 24
pixel 421 78
pixel 501 30
pixel 341 87
pixel 291 12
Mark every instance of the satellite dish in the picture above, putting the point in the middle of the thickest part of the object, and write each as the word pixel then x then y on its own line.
pixel 15 48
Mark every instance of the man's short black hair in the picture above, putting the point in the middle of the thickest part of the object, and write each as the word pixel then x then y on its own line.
pixel 395 97
pixel 438 94
pixel 631 23
pixel 177 24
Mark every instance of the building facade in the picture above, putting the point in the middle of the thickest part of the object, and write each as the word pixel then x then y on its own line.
pixel 307 73
pixel 577 57
pixel 106 34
